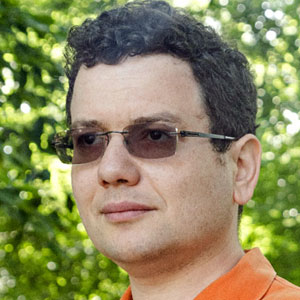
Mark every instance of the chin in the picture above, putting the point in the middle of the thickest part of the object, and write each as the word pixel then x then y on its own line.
pixel 126 255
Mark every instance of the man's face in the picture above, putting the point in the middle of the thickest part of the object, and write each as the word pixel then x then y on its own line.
pixel 185 199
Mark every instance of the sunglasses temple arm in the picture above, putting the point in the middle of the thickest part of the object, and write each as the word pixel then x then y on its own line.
pixel 206 135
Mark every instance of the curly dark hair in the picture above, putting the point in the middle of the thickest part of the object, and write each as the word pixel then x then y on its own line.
pixel 153 27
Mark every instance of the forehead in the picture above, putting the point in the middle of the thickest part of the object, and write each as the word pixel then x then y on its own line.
pixel 139 87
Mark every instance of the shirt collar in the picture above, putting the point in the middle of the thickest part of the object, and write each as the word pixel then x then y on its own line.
pixel 127 295
pixel 248 280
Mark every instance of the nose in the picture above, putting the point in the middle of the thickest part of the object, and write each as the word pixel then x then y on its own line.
pixel 117 167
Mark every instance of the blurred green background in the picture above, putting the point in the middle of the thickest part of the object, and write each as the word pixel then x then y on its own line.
pixel 45 252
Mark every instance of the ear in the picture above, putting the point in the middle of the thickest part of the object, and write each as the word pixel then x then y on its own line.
pixel 247 156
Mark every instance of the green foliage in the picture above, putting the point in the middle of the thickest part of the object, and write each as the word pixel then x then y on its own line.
pixel 44 250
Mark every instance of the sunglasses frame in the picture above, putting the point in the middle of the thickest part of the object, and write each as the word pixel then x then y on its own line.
pixel 59 144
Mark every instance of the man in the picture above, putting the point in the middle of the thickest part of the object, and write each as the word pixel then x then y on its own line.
pixel 162 118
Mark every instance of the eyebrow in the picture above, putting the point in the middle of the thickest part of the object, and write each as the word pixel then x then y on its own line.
pixel 88 123
pixel 157 117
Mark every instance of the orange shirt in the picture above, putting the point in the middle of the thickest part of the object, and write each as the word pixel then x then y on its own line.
pixel 253 278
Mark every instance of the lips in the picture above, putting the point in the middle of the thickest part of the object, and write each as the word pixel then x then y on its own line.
pixel 124 211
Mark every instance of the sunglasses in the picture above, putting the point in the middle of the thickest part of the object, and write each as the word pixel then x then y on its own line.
pixel 150 140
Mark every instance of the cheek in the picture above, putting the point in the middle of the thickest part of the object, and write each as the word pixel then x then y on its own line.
pixel 177 183
pixel 187 185
pixel 84 185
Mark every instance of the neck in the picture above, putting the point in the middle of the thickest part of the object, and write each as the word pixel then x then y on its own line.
pixel 186 280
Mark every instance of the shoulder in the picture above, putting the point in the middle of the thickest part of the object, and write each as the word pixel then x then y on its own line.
pixel 282 289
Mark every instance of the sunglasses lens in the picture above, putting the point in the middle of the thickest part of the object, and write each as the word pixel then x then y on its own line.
pixel 151 140
pixel 64 147
pixel 88 146
pixel 79 146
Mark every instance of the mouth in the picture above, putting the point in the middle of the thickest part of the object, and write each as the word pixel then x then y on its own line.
pixel 124 211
